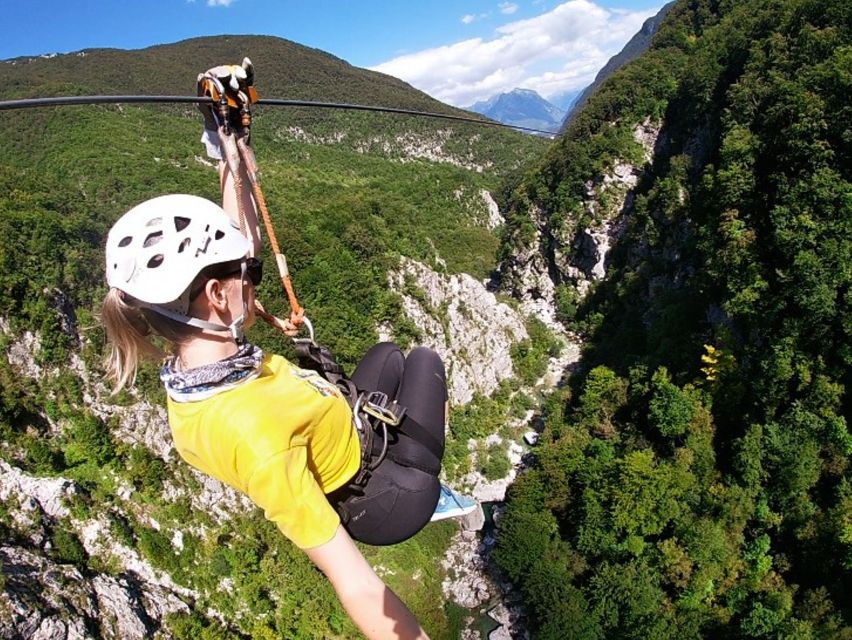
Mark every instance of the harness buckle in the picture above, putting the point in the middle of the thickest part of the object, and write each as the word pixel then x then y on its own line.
pixel 379 406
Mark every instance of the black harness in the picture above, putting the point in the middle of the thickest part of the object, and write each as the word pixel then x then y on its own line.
pixel 384 429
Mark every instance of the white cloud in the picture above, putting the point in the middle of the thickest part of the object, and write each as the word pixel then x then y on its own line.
pixel 508 8
pixel 470 17
pixel 219 3
pixel 557 51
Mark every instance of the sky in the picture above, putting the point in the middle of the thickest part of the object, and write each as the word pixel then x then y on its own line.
pixel 458 51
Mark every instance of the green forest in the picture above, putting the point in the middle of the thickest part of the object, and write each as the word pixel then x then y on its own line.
pixel 347 199
pixel 694 481
pixel 692 478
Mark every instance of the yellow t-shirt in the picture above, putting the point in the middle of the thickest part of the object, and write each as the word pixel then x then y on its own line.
pixel 284 438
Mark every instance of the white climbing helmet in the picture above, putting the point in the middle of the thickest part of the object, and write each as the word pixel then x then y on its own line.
pixel 155 250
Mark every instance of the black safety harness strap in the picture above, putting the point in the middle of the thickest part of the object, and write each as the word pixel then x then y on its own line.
pixel 378 420
pixel 413 432
pixel 317 358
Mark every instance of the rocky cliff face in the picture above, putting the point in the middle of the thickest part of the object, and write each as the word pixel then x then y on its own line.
pixel 45 598
pixel 571 253
pixel 474 332
pixel 48 598
pixel 401 148
pixel 464 322
pixel 481 207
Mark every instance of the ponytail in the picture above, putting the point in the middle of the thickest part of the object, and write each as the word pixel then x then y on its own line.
pixel 129 331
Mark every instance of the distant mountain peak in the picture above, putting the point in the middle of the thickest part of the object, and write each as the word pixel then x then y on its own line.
pixel 521 107
pixel 525 92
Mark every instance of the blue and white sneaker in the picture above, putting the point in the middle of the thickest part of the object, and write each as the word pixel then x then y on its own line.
pixel 453 505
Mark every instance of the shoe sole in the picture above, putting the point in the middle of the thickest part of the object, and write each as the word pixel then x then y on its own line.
pixel 456 513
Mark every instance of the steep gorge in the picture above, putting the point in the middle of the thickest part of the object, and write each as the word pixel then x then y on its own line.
pixel 697 469
pixel 690 230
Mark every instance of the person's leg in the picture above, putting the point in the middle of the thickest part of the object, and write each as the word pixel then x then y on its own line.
pixel 397 502
pixel 401 495
pixel 423 393
pixel 380 369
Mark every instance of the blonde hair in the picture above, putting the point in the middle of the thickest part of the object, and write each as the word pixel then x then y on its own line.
pixel 129 331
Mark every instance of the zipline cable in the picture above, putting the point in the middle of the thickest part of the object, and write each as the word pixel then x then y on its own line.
pixel 29 103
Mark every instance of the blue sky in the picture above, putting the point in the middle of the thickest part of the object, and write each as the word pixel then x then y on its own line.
pixel 459 51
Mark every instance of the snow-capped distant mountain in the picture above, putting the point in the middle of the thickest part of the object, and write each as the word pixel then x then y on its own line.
pixel 522 108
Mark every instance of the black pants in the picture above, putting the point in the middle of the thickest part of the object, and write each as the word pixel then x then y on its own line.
pixel 399 498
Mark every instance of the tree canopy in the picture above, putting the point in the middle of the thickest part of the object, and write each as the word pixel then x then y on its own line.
pixel 696 482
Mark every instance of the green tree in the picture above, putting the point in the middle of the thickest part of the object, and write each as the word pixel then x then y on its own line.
pixel 671 409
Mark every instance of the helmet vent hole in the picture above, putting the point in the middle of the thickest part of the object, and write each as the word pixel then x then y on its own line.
pixel 181 223
pixel 183 245
pixel 153 239
pixel 155 261
pixel 154 222
pixel 126 240
pixel 219 234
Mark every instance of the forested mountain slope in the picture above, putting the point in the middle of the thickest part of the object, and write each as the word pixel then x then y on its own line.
pixel 635 47
pixel 285 70
pixel 103 532
pixel 694 481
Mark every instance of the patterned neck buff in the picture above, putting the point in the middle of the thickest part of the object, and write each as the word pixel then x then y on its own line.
pixel 209 379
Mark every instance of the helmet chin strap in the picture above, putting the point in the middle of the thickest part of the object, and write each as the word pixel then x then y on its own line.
pixel 235 328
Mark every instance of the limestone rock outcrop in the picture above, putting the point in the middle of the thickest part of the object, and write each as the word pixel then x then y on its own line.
pixel 463 321
pixel 561 251
pixel 45 600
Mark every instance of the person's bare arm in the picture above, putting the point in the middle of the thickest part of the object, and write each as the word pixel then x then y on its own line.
pixel 231 203
pixel 371 605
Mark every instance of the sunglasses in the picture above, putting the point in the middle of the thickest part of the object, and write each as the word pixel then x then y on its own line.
pixel 253 272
